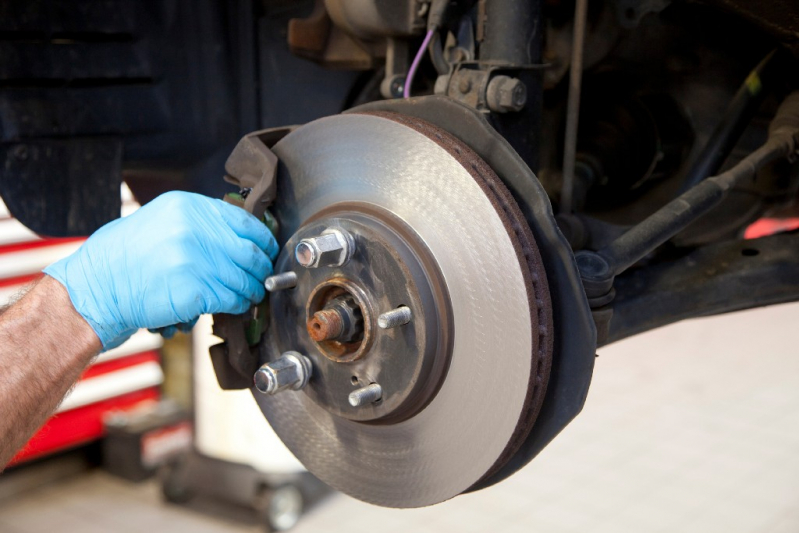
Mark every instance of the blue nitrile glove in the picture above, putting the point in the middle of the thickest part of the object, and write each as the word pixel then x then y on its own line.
pixel 179 256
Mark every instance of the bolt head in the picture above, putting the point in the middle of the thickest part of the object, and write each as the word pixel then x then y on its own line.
pixel 397 87
pixel 306 254
pixel 505 94
pixel 264 380
pixel 332 248
pixel 290 371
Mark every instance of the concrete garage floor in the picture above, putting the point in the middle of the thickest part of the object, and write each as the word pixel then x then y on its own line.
pixel 690 428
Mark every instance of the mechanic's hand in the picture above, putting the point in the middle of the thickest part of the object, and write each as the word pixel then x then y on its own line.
pixel 177 257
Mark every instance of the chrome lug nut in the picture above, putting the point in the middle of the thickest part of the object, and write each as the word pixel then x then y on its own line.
pixel 291 371
pixel 279 282
pixel 394 318
pixel 332 248
pixel 366 395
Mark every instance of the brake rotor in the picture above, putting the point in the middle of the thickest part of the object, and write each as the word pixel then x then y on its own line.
pixel 434 231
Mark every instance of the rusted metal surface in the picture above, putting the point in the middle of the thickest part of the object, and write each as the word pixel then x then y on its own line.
pixel 325 325
pixel 327 338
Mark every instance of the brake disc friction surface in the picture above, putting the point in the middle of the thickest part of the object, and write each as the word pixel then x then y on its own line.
pixel 496 373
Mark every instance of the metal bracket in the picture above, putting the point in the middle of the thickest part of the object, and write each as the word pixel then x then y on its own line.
pixel 251 166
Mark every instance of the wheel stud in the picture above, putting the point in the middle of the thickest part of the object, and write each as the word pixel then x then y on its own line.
pixel 394 318
pixel 279 282
pixel 366 395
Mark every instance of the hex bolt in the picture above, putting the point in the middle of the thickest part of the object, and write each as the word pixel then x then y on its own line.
pixel 290 371
pixel 505 94
pixel 279 282
pixel 395 318
pixel 366 395
pixel 332 248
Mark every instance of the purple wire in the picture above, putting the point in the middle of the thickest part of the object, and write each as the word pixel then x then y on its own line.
pixel 406 93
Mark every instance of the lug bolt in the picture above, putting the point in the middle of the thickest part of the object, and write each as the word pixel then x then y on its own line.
pixel 279 282
pixel 332 248
pixel 394 318
pixel 290 371
pixel 366 395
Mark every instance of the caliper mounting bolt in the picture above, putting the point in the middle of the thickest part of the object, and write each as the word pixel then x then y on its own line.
pixel 505 94
pixel 290 371
pixel 366 395
pixel 394 318
pixel 279 282
pixel 332 248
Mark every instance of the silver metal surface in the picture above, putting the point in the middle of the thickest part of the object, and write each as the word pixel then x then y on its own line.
pixel 450 445
pixel 290 371
pixel 505 94
pixel 285 508
pixel 395 318
pixel 279 282
pixel 366 395
pixel 332 248
pixel 390 268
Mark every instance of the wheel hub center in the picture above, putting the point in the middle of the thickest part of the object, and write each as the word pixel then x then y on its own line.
pixel 373 316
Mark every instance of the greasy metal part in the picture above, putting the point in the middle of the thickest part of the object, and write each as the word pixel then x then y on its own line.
pixel 467 84
pixel 510 33
pixel 714 279
pixel 366 395
pixel 599 268
pixel 436 210
pixel 505 94
pixel 574 331
pixel 509 28
pixel 280 282
pixel 396 68
pixel 573 106
pixel 395 318
pixel 700 199
pixel 332 248
pixel 736 118
pixel 291 371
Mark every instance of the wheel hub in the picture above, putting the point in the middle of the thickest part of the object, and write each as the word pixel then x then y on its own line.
pixel 333 312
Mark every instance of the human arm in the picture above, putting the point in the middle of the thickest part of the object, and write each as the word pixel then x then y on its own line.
pixel 180 256
pixel 32 380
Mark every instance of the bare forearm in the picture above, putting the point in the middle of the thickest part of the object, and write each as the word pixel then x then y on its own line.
pixel 44 346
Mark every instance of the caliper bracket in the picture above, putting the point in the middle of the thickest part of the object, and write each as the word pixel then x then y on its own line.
pixel 253 168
